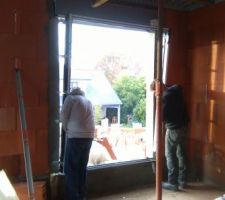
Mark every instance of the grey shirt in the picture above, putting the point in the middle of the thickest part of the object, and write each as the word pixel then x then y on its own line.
pixel 77 117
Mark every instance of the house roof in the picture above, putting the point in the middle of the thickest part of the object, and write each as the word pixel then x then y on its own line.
pixel 96 86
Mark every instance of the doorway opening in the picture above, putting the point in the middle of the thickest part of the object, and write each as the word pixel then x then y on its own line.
pixel 114 66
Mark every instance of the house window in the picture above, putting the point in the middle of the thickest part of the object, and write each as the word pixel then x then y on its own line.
pixel 114 66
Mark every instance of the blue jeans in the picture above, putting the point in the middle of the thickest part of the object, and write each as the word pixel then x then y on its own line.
pixel 75 167
pixel 175 141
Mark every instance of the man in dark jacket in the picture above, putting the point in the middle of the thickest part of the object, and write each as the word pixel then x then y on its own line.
pixel 176 120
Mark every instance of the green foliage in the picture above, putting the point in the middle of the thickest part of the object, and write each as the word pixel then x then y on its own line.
pixel 140 111
pixel 98 114
pixel 132 92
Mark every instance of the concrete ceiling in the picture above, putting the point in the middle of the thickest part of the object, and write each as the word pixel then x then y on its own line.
pixel 183 5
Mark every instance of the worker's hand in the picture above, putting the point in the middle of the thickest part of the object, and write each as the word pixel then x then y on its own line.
pixel 153 84
pixel 157 86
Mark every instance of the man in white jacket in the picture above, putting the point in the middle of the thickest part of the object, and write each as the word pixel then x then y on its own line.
pixel 78 122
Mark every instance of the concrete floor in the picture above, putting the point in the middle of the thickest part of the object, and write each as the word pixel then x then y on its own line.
pixel 194 191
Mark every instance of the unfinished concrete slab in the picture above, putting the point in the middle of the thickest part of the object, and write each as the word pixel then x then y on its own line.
pixel 194 191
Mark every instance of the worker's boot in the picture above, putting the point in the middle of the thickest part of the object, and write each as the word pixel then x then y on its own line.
pixel 169 186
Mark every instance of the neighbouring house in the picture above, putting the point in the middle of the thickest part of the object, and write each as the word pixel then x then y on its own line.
pixel 99 91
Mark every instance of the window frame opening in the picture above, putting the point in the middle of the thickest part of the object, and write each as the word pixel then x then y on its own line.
pixel 113 25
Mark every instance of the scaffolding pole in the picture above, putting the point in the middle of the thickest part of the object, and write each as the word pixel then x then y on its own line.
pixel 158 103
pixel 23 123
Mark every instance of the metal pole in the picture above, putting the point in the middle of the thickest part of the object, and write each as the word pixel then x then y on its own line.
pixel 24 132
pixel 158 104
pixel 68 47
pixel 66 79
pixel 53 96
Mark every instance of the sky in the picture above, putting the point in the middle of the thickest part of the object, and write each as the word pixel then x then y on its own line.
pixel 91 43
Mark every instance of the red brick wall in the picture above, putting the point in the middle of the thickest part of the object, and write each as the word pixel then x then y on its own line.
pixel 197 61
pixel 197 36
pixel 206 59
pixel 24 37
pixel 177 65
pixel 178 71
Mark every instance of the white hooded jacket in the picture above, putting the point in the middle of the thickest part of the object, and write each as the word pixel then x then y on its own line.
pixel 77 117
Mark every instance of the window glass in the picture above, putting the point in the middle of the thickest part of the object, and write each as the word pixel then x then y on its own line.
pixel 114 66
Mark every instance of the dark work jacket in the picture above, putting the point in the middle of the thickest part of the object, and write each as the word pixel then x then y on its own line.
pixel 174 109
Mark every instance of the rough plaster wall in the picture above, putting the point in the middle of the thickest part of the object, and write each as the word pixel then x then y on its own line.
pixel 23 35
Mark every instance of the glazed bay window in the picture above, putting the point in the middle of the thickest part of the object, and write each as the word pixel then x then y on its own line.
pixel 114 65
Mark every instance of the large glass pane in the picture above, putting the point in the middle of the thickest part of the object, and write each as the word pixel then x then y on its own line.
pixel 114 66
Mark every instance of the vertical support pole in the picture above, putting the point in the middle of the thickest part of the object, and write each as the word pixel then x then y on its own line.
pixel 26 150
pixel 66 78
pixel 53 96
pixel 158 104
pixel 67 64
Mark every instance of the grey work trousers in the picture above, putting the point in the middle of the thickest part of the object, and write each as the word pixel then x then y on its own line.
pixel 175 142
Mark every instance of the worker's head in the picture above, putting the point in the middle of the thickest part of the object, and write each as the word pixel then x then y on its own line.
pixel 77 91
